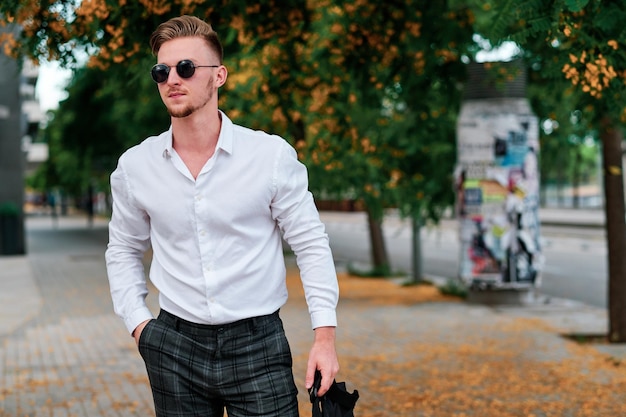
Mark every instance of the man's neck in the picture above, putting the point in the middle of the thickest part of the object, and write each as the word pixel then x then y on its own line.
pixel 196 132
pixel 194 139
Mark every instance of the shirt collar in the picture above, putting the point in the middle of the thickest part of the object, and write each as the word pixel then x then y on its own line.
pixel 167 151
pixel 224 141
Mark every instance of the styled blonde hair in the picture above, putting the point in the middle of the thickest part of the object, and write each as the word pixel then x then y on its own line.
pixel 185 26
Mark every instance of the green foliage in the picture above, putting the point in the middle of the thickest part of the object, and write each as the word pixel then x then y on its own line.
pixel 386 91
pixel 511 26
pixel 367 91
pixel 115 32
pixel 576 5
pixel 576 66
pixel 577 48
pixel 105 113
pixel 584 50
pixel 454 287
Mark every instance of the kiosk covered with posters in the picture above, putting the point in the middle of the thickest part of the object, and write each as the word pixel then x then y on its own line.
pixel 497 181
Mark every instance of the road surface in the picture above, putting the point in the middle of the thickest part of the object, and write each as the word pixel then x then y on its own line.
pixel 575 257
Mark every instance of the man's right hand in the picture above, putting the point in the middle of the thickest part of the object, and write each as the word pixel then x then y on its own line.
pixel 137 332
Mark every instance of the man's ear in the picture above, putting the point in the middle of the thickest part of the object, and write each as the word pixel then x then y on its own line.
pixel 221 76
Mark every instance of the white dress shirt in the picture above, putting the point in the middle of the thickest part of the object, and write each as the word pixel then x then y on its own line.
pixel 217 239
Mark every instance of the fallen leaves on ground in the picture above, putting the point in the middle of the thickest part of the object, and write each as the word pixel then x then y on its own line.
pixel 375 291
pixel 501 367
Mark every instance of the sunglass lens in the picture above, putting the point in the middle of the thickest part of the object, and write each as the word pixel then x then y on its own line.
pixel 185 68
pixel 160 72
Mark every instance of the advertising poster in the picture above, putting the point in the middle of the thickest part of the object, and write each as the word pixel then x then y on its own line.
pixel 497 183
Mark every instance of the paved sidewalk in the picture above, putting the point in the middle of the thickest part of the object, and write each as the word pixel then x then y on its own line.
pixel 409 351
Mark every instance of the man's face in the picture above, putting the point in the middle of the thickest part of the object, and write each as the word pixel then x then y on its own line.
pixel 186 96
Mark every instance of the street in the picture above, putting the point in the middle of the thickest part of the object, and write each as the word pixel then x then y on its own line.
pixel 575 257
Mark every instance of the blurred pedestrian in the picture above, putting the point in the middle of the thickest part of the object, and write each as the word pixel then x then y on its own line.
pixel 52 202
pixel 214 201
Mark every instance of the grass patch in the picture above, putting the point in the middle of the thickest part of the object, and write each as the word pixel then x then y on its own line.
pixel 587 338
pixel 455 288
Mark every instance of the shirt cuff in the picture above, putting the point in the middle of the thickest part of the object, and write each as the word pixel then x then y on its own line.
pixel 136 318
pixel 326 318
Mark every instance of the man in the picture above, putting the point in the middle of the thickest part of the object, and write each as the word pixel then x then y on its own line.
pixel 214 201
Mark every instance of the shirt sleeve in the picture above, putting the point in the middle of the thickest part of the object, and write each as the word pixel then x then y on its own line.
pixel 129 238
pixel 297 216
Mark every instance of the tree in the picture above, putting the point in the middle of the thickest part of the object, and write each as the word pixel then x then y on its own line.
pixel 368 91
pixel 578 45
pixel 386 80
pixel 105 113
pixel 568 150
pixel 116 32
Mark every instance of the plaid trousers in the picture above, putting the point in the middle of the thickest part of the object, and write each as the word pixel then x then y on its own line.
pixel 199 370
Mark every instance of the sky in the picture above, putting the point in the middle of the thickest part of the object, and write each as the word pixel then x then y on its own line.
pixel 50 88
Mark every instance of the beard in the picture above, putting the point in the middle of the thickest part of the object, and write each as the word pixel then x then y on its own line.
pixel 192 108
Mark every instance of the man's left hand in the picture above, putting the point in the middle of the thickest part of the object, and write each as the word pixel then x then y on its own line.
pixel 322 356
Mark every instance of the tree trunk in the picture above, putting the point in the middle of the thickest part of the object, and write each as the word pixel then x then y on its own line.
pixel 559 185
pixel 418 275
pixel 379 251
pixel 576 178
pixel 615 229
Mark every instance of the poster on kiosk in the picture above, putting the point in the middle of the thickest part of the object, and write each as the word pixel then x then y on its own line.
pixel 497 184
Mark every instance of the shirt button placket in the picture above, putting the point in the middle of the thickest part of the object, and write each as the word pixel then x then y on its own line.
pixel 200 230
pixel 205 252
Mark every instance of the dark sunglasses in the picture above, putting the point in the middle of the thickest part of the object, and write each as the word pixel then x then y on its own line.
pixel 185 68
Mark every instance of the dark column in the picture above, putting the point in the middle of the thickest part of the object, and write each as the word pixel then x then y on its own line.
pixel 12 123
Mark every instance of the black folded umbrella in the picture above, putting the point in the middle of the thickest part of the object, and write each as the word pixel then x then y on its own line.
pixel 337 402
